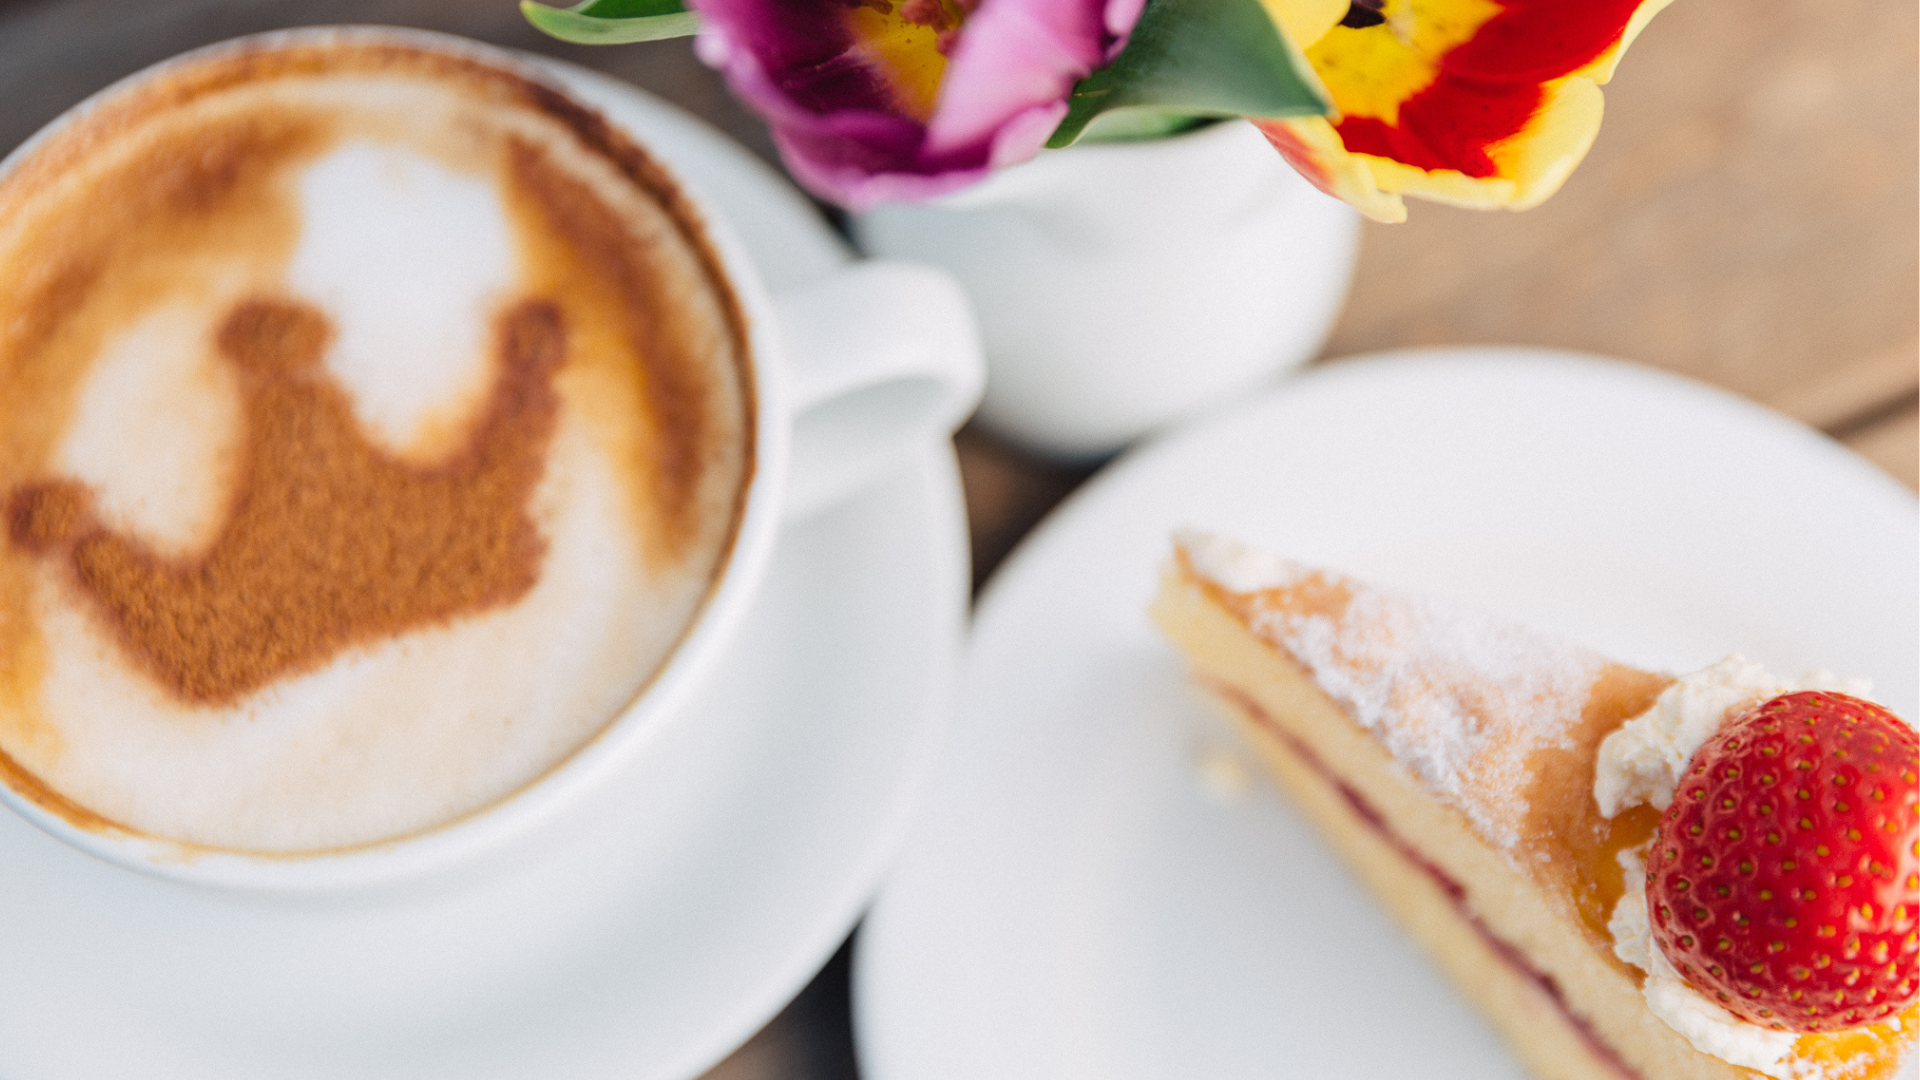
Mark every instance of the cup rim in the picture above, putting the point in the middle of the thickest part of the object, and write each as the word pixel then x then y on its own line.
pixel 656 703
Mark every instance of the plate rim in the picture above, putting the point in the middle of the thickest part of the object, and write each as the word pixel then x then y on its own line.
pixel 879 978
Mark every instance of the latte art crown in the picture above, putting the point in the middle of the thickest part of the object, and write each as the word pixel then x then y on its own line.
pixel 377 421
pixel 352 544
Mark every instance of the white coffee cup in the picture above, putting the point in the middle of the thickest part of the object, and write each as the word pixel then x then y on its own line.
pixel 844 389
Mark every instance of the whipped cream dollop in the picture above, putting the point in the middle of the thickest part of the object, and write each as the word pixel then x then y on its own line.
pixel 1710 1028
pixel 1642 763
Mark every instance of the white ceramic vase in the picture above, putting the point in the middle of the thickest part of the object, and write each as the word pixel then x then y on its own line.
pixel 1125 286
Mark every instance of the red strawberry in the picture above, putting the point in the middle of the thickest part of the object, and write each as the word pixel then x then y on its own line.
pixel 1782 880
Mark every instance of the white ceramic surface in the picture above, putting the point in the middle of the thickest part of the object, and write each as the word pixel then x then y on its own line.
pixel 844 391
pixel 1086 896
pixel 707 888
pixel 1123 286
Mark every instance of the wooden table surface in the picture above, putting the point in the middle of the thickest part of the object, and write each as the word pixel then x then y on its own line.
pixel 1748 217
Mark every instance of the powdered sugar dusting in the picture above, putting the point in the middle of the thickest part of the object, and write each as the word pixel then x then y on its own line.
pixel 1232 565
pixel 1461 699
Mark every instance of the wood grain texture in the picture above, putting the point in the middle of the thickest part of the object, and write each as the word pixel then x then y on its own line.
pixel 1746 217
pixel 1007 494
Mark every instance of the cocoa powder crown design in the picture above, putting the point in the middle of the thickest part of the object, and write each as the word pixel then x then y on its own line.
pixel 329 541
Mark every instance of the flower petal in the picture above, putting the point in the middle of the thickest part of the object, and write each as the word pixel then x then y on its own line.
pixel 1482 103
pixel 1120 17
pixel 1012 57
pixel 865 108
pixel 1022 137
pixel 1307 21
pixel 1313 148
pixel 1601 70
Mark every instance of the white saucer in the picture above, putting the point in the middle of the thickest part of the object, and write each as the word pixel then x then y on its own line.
pixel 711 888
pixel 1080 899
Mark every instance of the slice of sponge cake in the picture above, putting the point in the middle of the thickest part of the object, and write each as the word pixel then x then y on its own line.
pixel 1449 756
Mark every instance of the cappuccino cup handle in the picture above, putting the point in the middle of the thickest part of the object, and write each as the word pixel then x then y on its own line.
pixel 882 358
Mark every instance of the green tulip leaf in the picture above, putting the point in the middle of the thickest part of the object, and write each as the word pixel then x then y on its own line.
pixel 1136 125
pixel 612 22
pixel 1195 59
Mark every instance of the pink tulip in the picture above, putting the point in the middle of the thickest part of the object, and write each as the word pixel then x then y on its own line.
pixel 877 100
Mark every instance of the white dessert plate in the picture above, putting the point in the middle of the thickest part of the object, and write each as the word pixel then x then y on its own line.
pixel 709 889
pixel 1102 886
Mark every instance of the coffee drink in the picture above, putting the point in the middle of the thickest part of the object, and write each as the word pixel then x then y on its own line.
pixel 374 423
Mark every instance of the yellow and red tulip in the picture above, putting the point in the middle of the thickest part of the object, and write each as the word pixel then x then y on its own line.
pixel 1479 103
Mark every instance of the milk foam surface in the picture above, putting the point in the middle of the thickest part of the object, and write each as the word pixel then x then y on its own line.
pixel 412 259
pixel 411 243
pixel 158 388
